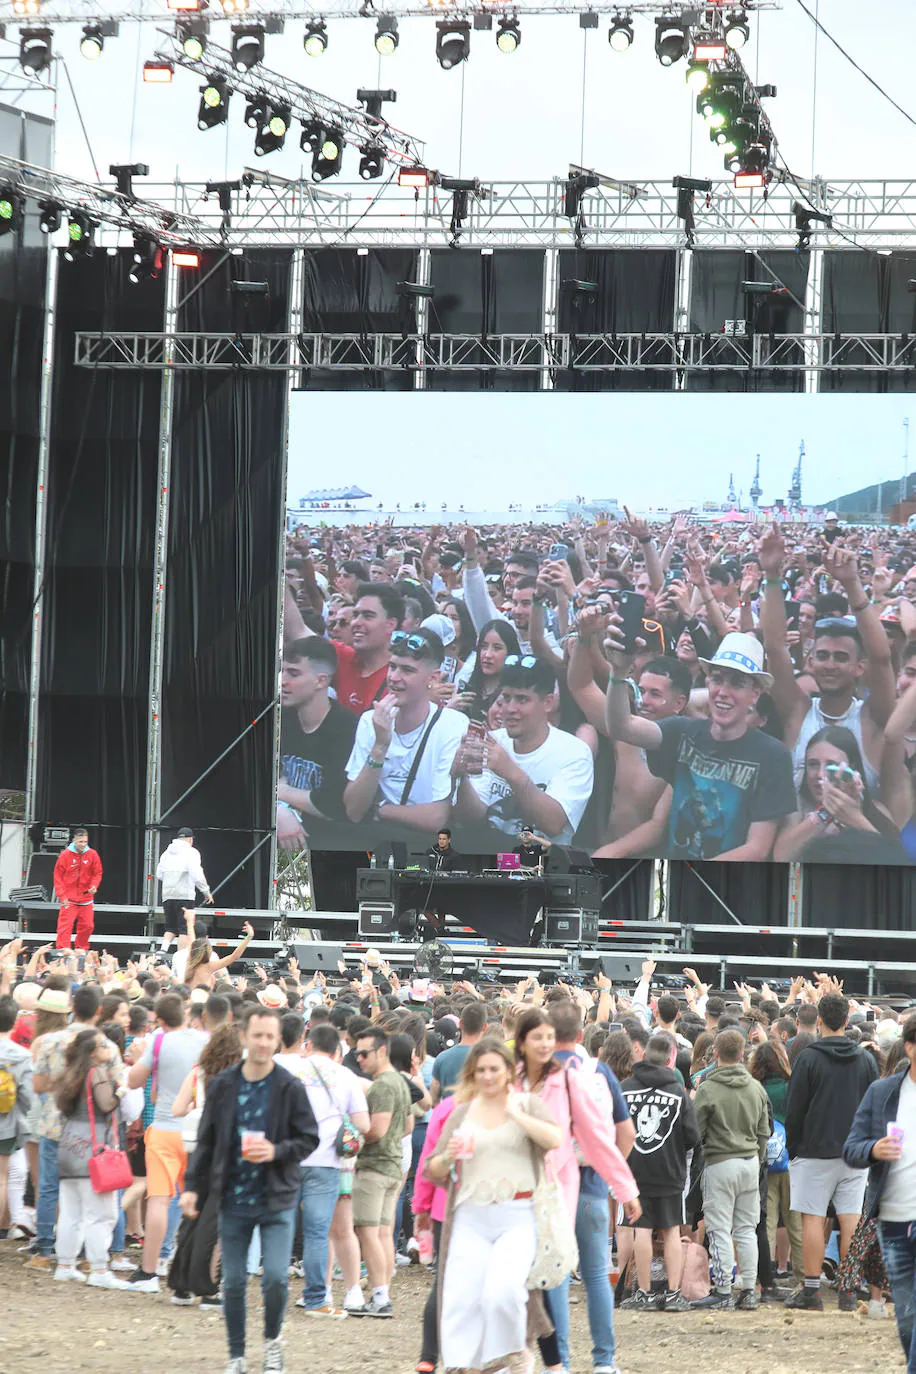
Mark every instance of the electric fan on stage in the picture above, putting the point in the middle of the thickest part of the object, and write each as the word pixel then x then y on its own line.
pixel 434 960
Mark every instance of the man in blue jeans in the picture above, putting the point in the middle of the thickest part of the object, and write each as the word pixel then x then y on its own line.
pixel 882 1138
pixel 592 1213
pixel 257 1127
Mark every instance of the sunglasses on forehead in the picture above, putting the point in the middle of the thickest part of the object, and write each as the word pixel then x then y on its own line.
pixel 403 643
pixel 521 661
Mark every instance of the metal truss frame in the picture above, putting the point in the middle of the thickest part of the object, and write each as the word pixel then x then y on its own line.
pixel 269 210
pixel 356 126
pixel 663 352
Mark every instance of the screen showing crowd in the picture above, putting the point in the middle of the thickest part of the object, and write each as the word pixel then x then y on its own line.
pixel 692 687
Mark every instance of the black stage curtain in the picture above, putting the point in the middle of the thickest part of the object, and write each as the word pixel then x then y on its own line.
pixel 757 893
pixel 348 293
pixel 634 295
pixel 860 897
pixel 226 516
pixel 716 295
pixel 480 294
pixel 98 598
pixel 865 293
pixel 626 887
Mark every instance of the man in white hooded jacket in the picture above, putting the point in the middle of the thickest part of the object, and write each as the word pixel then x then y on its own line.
pixel 181 873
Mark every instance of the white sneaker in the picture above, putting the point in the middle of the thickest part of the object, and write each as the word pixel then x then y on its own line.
pixel 122 1265
pixel 401 1260
pixel 354 1301
pixel 104 1278
pixel 237 1366
pixel 68 1274
pixel 162 1268
pixel 273 1357
pixel 413 1250
pixel 876 1308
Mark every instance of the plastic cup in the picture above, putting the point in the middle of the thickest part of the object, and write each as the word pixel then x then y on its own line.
pixel 425 1243
pixel 248 1139
pixel 465 1143
pixel 895 1131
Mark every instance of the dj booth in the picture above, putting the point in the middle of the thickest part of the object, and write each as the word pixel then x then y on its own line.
pixel 499 906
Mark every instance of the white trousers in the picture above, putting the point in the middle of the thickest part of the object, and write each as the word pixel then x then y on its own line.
pixel 85 1218
pixel 484 1293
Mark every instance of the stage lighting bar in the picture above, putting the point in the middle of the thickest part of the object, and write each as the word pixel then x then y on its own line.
pixel 731 17
pixel 61 199
pixel 354 126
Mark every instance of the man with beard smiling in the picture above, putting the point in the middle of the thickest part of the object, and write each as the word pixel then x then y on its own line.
pixel 731 784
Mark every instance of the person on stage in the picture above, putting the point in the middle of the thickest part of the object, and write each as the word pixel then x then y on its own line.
pixel 442 857
pixel 181 873
pixel 532 849
pixel 77 875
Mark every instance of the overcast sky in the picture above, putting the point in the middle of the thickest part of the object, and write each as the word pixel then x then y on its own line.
pixel 522 113
pixel 484 450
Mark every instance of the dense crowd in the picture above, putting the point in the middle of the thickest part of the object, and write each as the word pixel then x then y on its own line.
pixel 686 689
pixel 177 1122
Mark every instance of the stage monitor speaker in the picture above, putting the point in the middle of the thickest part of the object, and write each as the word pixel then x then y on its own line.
pixel 377 918
pixel 621 968
pixel 571 927
pixel 568 891
pixel 562 858
pixel 41 870
pixel 317 958
pixel 373 885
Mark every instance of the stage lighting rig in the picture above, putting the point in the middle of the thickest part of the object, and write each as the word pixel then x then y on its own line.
pixel 158 73
pixel 272 132
pixel 35 50
pixel 12 210
pixel 386 35
pixel 461 188
pixel 575 187
pixel 620 34
pixel 686 188
pixel 80 237
pixel 147 259
pixel 805 221
pixel 315 40
pixel 93 39
pixel 371 163
pixel 124 173
pixel 736 30
pixel 256 111
pixel 192 34
pixel 508 35
pixel 672 39
pixel 328 155
pixel 214 103
pixel 50 216
pixel 247 46
pixel 453 42
pixel 374 100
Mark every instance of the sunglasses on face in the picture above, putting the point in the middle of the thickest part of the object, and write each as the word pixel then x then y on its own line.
pixel 364 1054
pixel 404 643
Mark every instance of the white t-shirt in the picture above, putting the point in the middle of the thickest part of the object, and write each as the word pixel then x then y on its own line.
pixel 433 781
pixel 898 1201
pixel 344 1093
pixel 180 963
pixel 562 767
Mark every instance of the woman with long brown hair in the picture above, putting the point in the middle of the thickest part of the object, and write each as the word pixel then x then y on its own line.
pixel 86 1217
pixel 769 1064
pixel 202 967
pixel 492 1149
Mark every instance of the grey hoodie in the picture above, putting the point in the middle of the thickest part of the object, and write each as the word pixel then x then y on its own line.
pixel 18 1060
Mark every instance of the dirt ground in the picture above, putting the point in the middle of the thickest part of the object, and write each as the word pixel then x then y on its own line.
pixel 61 1329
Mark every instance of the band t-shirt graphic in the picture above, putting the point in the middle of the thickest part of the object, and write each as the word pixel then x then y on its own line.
pixel 720 787
pixel 562 767
pixel 316 760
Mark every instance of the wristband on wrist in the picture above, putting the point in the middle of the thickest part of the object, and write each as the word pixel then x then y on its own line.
pixel 375 763
pixel 864 607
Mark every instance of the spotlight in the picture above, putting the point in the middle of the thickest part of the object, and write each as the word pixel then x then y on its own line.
pixel 272 133
pixel 327 156
pixel 315 41
pixel 231 7
pixel 12 210
pixel 312 134
pixel 508 35
pixel 372 162
pixel 453 42
pixel 620 34
pixel 747 181
pixel 256 111
pixel 92 42
pixel 672 39
pixel 415 177
pixel 576 186
pixel 721 104
pixel 697 76
pixel 35 49
pixel 50 216
pixel 192 34
pixel 736 29
pixel 80 235
pixel 158 73
pixel 24 8
pixel 214 103
pixel 247 46
pixel 386 35
pixel 186 257
pixel 147 259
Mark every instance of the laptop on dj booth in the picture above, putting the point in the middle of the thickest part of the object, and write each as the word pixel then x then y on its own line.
pixel 508 863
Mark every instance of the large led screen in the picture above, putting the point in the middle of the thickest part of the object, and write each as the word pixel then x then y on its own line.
pixel 681 626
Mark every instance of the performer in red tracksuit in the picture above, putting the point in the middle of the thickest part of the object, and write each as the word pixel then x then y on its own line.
pixel 77 875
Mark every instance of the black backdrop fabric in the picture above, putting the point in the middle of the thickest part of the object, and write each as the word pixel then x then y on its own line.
pixel 98 589
pixel 480 294
pixel 345 292
pixel 757 893
pixel 859 897
pixel 226 517
pixel 865 293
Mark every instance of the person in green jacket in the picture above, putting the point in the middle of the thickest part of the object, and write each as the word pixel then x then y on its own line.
pixel 733 1114
pixel 769 1064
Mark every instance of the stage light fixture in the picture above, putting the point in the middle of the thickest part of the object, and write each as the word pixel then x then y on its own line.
pixel 672 39
pixel 620 34
pixel 12 210
pixel 453 42
pixel 26 8
pixel 272 133
pixel 748 181
pixel 214 103
pixel 414 177
pixel 80 236
pixel 92 42
pixel 50 216
pixel 508 35
pixel 327 156
pixel 147 259
pixel 186 257
pixel 231 7
pixel 315 41
pixel 35 49
pixel 158 73
pixel 312 133
pixel 737 31
pixel 386 35
pixel 697 76
pixel 372 162
pixel 256 111
pixel 193 34
pixel 588 19
pixel 186 4
pixel 124 173
pixel 709 48
pixel 247 46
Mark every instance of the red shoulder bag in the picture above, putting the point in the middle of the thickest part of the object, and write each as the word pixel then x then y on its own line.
pixel 109 1169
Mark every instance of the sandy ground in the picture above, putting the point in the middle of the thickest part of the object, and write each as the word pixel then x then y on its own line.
pixel 62 1329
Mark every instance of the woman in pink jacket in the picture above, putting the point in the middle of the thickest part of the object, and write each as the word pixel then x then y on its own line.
pixel 429 1202
pixel 566 1093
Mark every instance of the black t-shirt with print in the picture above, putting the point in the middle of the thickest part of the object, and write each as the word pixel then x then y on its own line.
pixel 317 761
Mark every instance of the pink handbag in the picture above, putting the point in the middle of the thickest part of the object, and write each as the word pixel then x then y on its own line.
pixel 109 1169
pixel 695 1272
